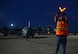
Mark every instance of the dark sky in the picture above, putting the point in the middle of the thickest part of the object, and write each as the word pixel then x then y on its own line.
pixel 39 12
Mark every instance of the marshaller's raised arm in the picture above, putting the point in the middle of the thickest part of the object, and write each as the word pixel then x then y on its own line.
pixel 55 17
pixel 66 18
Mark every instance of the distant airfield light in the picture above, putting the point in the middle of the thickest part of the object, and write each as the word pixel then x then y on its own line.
pixel 12 25
pixel 62 9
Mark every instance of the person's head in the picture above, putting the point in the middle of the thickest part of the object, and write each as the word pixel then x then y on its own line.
pixel 60 18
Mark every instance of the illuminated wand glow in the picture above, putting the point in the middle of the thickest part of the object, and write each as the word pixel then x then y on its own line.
pixel 62 9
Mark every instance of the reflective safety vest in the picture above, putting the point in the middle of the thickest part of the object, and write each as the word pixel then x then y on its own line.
pixel 61 28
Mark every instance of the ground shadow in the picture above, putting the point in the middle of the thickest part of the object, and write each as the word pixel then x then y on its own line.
pixel 40 37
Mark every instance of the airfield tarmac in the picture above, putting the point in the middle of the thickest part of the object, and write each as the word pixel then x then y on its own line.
pixel 40 44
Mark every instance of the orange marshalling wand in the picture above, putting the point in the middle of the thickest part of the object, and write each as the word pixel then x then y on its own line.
pixel 62 9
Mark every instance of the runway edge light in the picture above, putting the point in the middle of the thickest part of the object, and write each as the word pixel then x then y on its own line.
pixel 12 24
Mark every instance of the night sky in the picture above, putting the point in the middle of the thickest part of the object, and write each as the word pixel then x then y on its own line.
pixel 39 12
